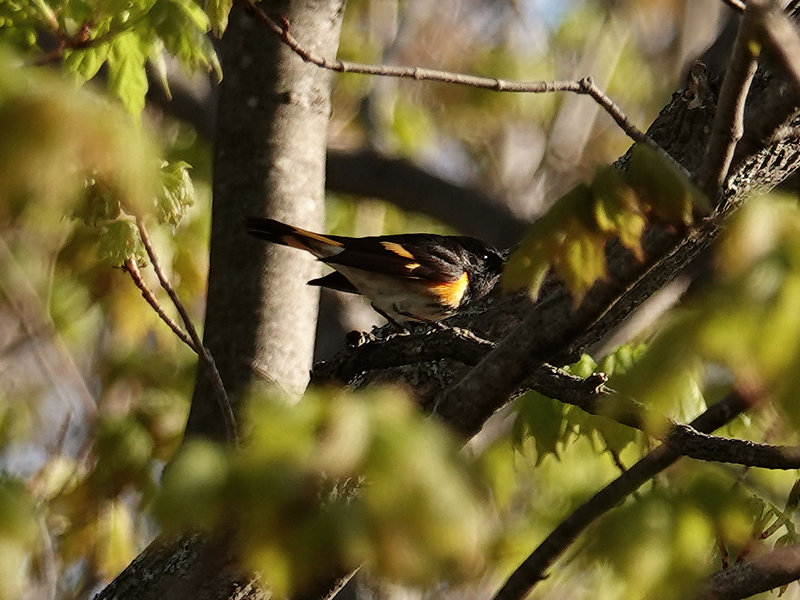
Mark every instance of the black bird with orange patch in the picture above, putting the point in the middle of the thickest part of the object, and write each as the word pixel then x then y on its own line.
pixel 411 277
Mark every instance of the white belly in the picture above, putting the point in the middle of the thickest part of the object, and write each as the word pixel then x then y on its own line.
pixel 399 298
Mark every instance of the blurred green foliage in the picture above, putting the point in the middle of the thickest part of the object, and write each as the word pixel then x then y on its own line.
pixel 571 237
pixel 553 425
pixel 677 532
pixel 343 480
pixel 124 36
pixel 337 481
pixel 17 536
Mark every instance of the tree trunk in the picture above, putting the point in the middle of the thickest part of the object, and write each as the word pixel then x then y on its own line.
pixel 269 159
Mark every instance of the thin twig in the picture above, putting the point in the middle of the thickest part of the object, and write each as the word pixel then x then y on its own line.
pixel 728 126
pixel 202 352
pixel 132 269
pixel 79 41
pixel 584 86
pixel 781 32
pixel 534 568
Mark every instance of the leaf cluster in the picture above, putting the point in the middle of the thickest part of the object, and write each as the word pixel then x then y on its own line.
pixel 337 480
pixel 552 425
pixel 122 36
pixel 571 237
pixel 743 330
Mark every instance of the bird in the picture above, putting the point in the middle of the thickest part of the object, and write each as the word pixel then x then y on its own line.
pixel 414 277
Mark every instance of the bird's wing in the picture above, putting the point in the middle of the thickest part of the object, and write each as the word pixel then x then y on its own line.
pixel 406 256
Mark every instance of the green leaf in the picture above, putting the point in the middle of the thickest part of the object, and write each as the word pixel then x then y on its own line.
pixel 182 26
pixel 583 367
pixel 622 359
pixel 120 242
pixel 98 206
pixel 177 194
pixel 85 62
pixel 527 266
pixel 159 63
pixel 615 437
pixel 541 419
pixel 218 11
pixel 665 189
pixel 581 260
pixel 617 209
pixel 554 238
pixel 127 77
pixel 666 376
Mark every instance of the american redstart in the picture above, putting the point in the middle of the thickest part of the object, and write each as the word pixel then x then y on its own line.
pixel 417 276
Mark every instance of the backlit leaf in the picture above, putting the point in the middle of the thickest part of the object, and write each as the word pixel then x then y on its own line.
pixel 617 209
pixel 85 62
pixel 541 419
pixel 120 242
pixel 663 187
pixel 177 194
pixel 218 11
pixel 126 71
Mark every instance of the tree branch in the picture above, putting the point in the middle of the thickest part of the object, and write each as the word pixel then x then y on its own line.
pixel 584 86
pixel 534 568
pixel 695 444
pixel 371 174
pixel 779 567
pixel 196 343
pixel 590 395
pixel 728 126
pixel 132 269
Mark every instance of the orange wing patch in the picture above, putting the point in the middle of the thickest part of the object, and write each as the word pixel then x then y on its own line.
pixel 451 293
pixel 397 249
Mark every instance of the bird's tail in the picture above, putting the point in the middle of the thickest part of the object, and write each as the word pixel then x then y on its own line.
pixel 280 233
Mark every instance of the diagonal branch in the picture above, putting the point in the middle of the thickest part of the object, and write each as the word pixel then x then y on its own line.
pixel 197 344
pixel 534 568
pixel 768 571
pixel 728 127
pixel 554 330
pixel 132 269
